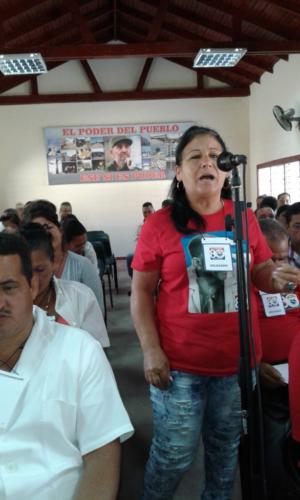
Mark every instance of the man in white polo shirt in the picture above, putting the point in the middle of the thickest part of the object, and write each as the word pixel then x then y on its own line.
pixel 61 416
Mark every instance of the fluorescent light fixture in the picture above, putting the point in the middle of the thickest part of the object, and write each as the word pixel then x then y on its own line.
pixel 218 58
pixel 22 64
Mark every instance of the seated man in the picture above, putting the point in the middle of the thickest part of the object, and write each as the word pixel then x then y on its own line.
pixel 147 209
pixel 61 415
pixel 65 209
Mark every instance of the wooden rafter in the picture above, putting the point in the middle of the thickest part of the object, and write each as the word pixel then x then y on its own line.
pixel 248 14
pixel 34 86
pixel 19 7
pixel 126 96
pixel 79 20
pixel 197 21
pixel 152 35
pixel 144 73
pixel 92 79
pixel 174 48
pixel 289 5
pixel 33 30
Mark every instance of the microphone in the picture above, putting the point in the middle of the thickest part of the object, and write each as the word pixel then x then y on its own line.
pixel 227 161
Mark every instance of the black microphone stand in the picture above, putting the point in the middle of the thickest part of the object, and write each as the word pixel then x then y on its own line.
pixel 252 447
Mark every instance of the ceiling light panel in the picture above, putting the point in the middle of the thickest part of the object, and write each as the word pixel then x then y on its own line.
pixel 218 58
pixel 22 64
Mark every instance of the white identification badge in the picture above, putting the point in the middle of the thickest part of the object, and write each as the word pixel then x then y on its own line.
pixel 217 255
pixel 273 304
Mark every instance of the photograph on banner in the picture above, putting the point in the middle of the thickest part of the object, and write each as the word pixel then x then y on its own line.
pixel 123 153
pixel 114 153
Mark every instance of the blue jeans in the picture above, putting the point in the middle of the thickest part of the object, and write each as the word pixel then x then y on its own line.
pixel 192 405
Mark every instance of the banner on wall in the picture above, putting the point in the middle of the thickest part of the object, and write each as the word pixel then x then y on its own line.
pixel 114 153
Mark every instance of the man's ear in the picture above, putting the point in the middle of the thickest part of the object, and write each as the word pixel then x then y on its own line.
pixel 34 286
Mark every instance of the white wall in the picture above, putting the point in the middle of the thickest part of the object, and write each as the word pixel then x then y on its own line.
pixel 116 208
pixel 268 141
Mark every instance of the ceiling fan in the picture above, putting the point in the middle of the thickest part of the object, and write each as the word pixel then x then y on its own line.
pixel 285 118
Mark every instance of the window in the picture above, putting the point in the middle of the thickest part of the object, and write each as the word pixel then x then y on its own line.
pixel 280 176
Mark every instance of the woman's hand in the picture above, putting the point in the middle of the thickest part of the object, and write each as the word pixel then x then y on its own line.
pixel 286 278
pixel 270 376
pixel 157 368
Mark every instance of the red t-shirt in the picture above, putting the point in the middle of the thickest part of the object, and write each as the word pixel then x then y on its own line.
pixel 196 309
pixel 294 387
pixel 278 332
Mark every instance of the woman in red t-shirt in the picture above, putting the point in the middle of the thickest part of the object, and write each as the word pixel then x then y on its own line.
pixel 184 307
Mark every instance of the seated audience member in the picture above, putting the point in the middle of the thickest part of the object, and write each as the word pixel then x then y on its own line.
pixel 147 209
pixel 61 415
pixel 265 213
pixel 259 200
pixel 65 209
pixel 281 215
pixel 64 301
pixel 20 210
pixel 75 238
pixel 279 325
pixel 68 265
pixel 269 201
pixel 10 220
pixel 283 199
pixel 293 228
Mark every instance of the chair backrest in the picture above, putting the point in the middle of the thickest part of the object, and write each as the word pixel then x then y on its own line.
pixel 101 255
pixel 94 235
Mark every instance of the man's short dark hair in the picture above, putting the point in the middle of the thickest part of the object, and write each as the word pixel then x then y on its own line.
pixel 269 201
pixel 293 209
pixel 14 244
pixel 147 204
pixel 283 194
pixel 65 204
pixel 272 230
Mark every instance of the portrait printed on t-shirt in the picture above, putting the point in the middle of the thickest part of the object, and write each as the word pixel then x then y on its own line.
pixel 211 291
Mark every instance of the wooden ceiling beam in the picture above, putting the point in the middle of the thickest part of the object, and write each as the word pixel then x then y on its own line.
pixel 240 78
pixel 289 5
pixel 189 93
pixel 34 86
pixel 46 26
pixel 91 77
pixel 153 33
pixel 144 74
pixel 159 18
pixel 9 82
pixel 196 20
pixel 248 14
pixel 234 33
pixel 78 19
pixel 175 48
pixel 19 7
